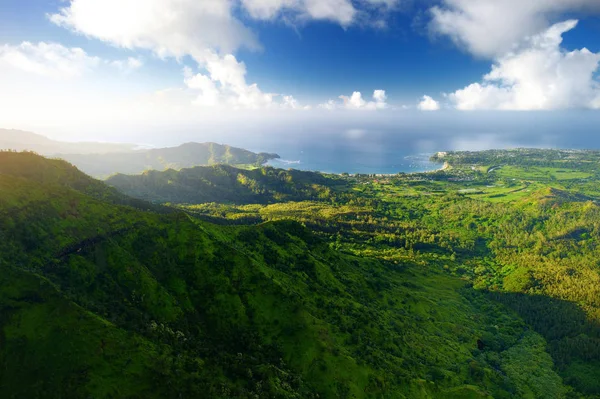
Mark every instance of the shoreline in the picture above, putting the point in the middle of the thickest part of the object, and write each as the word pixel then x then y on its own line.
pixel 445 166
pixel 290 165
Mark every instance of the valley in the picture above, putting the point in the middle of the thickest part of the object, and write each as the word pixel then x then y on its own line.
pixel 276 283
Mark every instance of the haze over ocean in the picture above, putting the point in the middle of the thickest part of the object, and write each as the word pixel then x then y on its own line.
pixel 403 144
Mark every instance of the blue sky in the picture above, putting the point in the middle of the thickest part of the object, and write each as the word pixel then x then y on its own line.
pixel 313 59
pixel 210 63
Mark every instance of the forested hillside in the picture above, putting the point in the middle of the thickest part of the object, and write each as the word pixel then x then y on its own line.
pixel 226 184
pixel 461 283
pixel 103 300
pixel 523 231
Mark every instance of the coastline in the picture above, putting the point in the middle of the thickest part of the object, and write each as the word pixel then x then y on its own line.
pixel 415 164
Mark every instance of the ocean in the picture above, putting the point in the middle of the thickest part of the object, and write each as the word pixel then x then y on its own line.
pixel 354 162
pixel 382 154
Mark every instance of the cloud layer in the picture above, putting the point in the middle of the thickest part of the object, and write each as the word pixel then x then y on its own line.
pixel 170 28
pixel 207 31
pixel 539 75
pixel 490 28
pixel 530 70
pixel 47 59
pixel 340 11
pixel 53 60
pixel 357 102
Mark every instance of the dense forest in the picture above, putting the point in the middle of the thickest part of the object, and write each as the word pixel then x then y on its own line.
pixel 227 184
pixel 477 281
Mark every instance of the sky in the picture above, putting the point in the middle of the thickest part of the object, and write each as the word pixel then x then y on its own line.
pixel 166 71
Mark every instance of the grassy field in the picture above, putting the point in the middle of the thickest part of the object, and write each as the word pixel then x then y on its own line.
pixel 531 173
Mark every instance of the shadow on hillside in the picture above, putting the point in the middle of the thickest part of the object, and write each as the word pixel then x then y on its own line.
pixel 573 339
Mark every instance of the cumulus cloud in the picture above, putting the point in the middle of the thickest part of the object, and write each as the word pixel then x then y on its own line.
pixel 207 92
pixel 538 75
pixel 47 59
pixel 289 102
pixel 330 105
pixel 57 61
pixel 340 11
pixel 428 104
pixel 207 31
pixel 356 101
pixel 129 65
pixel 225 85
pixel 210 33
pixel 384 3
pixel 343 12
pixel 168 27
pixel 489 28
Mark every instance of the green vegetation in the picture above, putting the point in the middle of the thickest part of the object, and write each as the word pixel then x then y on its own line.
pixel 223 183
pixel 523 231
pixel 185 156
pixel 478 281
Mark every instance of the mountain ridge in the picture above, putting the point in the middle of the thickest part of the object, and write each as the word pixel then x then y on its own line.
pixel 185 155
pixel 101 300
pixel 225 183
pixel 102 160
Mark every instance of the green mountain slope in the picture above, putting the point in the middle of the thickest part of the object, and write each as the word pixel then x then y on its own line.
pixel 184 156
pixel 57 173
pixel 101 300
pixel 524 232
pixel 223 183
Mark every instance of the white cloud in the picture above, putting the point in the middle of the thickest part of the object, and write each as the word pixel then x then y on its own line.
pixel 379 96
pixel 489 28
pixel 57 61
pixel 268 9
pixel 340 11
pixel 205 30
pixel 210 33
pixel 289 102
pixel 47 59
pixel 428 104
pixel 384 3
pixel 330 105
pixel 539 75
pixel 167 27
pixel 128 65
pixel 356 101
pixel 207 92
pixel 225 85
